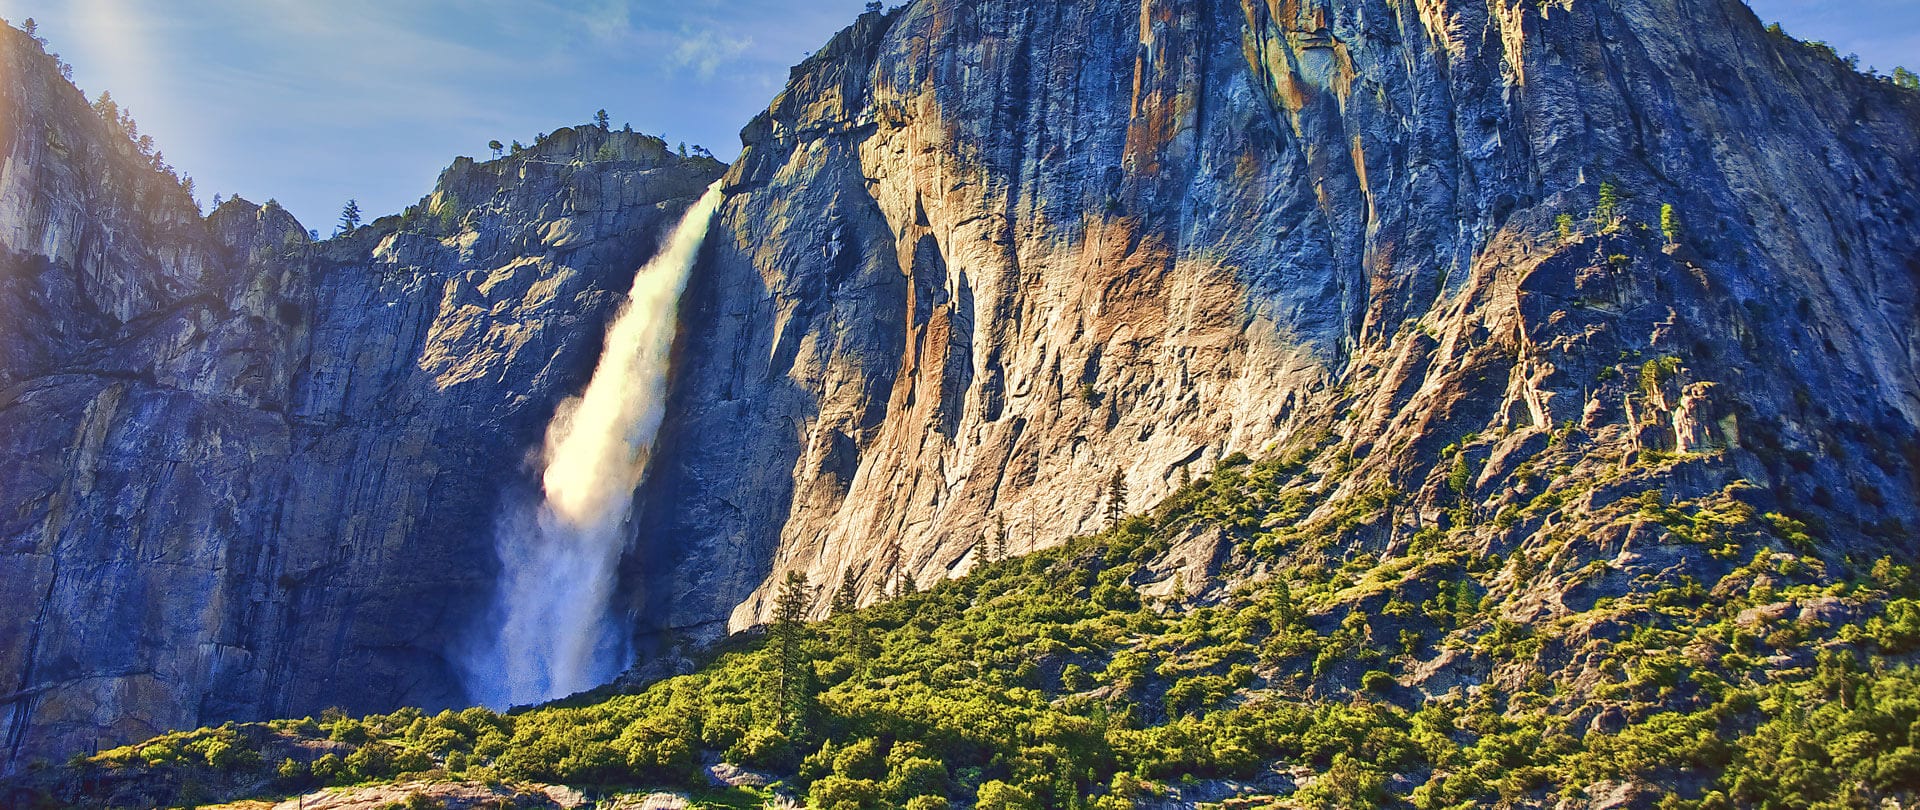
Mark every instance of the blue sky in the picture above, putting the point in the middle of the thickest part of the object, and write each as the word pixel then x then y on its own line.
pixel 317 101
pixel 1885 33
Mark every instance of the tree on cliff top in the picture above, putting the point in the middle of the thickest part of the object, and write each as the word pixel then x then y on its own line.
pixel 350 216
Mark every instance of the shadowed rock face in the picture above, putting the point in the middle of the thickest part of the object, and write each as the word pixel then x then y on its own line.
pixel 982 254
pixel 243 474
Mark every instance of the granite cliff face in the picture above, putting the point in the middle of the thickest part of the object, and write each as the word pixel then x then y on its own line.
pixel 980 255
pixel 246 474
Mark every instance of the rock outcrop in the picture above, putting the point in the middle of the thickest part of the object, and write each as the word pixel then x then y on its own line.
pixel 981 255
pixel 245 474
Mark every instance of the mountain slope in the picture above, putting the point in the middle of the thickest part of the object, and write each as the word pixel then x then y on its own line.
pixel 1052 681
pixel 983 255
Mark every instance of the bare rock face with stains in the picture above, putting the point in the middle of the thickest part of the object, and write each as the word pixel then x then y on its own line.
pixel 245 474
pixel 980 256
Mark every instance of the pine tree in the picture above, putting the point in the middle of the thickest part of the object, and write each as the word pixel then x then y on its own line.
pixel 1116 498
pixel 106 108
pixel 1906 78
pixel 350 216
pixel 600 120
pixel 847 599
pixel 997 542
pixel 1670 224
pixel 1607 214
pixel 497 147
pixel 788 635
pixel 851 631
pixel 32 28
pixel 1285 612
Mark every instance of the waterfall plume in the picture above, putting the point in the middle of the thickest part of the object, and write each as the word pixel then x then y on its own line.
pixel 553 631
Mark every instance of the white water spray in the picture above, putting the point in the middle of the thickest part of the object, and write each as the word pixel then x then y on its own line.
pixel 556 633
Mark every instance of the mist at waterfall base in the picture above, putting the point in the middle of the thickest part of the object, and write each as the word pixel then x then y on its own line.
pixel 552 630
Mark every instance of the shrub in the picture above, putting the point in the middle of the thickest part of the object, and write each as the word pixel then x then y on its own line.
pixel 371 761
pixel 1656 372
pixel 330 769
pixel 765 747
pixel 1898 632
pixel 916 777
pixel 860 760
pixel 998 795
pixel 841 793
pixel 291 771
pixel 348 730
pixel 1378 681
pixel 447 212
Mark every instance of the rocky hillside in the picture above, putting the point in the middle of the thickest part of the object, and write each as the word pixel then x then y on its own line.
pixel 245 474
pixel 1055 680
pixel 980 256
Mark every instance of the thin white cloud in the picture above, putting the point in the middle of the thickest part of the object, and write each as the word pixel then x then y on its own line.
pixel 608 20
pixel 705 52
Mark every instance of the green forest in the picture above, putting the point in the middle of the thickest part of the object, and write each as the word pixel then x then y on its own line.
pixel 1049 681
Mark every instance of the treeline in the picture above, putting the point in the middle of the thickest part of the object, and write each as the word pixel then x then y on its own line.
pixel 117 120
pixel 1900 77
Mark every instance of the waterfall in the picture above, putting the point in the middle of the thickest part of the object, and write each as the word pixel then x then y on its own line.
pixel 553 631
